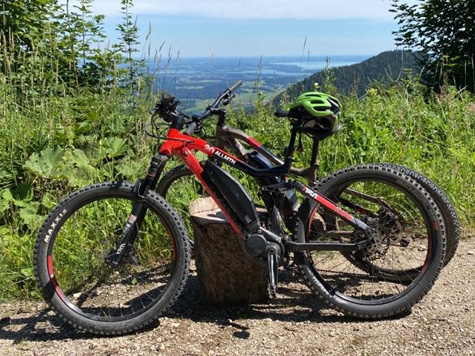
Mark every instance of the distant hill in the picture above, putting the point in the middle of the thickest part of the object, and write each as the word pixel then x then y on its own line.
pixel 384 67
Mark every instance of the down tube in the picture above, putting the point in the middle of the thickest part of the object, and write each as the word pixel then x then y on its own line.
pixel 192 162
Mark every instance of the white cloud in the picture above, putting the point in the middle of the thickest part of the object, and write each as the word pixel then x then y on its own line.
pixel 256 9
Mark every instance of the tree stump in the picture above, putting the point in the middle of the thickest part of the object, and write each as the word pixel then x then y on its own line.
pixel 225 271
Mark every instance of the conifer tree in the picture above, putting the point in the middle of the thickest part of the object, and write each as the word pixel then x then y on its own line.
pixel 128 42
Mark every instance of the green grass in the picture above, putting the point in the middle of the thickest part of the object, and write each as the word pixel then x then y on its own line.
pixel 53 144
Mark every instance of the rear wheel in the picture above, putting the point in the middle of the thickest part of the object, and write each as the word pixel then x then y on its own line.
pixel 71 265
pixel 446 208
pixel 401 263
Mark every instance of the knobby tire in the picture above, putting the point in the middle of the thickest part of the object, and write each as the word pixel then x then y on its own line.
pixel 407 253
pixel 86 291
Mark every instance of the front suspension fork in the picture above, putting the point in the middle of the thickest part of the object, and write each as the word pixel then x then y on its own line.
pixel 131 228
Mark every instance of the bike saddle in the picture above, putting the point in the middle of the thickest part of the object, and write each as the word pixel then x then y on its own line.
pixel 293 114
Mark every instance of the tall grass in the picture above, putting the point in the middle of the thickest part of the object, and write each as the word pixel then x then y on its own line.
pixel 53 141
pixel 431 135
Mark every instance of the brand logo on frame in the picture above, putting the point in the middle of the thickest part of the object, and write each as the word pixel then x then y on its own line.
pixel 209 149
pixel 224 157
pixel 310 193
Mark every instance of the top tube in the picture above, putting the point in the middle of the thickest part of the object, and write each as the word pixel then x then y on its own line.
pixel 233 137
pixel 177 143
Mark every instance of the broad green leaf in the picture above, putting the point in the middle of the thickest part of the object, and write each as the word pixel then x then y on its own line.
pixel 29 215
pixel 115 146
pixel 6 199
pixel 83 127
pixel 7 195
pixel 45 163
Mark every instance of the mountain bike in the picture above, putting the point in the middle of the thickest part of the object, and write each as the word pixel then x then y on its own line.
pixel 113 256
pixel 179 185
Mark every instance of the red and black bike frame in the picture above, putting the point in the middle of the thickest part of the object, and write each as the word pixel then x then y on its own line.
pixel 232 137
pixel 183 145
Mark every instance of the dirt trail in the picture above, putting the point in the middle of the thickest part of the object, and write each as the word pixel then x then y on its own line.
pixel 296 323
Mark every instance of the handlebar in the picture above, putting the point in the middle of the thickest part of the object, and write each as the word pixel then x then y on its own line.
pixel 167 108
pixel 225 96
pixel 235 86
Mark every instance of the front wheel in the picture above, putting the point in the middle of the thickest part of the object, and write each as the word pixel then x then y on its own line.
pixel 72 271
pixel 406 253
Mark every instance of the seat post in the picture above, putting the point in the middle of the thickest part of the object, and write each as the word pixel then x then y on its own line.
pixel 289 151
pixel 314 164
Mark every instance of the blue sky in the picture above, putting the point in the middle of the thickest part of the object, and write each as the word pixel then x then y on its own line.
pixel 242 28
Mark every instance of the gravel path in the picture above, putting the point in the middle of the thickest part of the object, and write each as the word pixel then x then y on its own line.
pixel 296 323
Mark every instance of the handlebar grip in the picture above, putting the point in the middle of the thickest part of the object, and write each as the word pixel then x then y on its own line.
pixel 235 85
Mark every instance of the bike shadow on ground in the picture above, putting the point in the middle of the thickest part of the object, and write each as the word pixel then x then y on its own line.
pixel 295 303
pixel 46 326
pixel 39 326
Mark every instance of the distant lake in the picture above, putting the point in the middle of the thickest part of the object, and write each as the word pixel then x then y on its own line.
pixel 198 79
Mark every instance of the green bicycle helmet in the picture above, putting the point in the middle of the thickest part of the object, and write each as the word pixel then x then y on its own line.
pixel 318 114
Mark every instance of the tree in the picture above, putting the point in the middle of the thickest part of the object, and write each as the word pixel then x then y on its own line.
pixel 444 31
pixel 22 21
pixel 22 26
pixel 44 42
pixel 78 30
pixel 129 40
